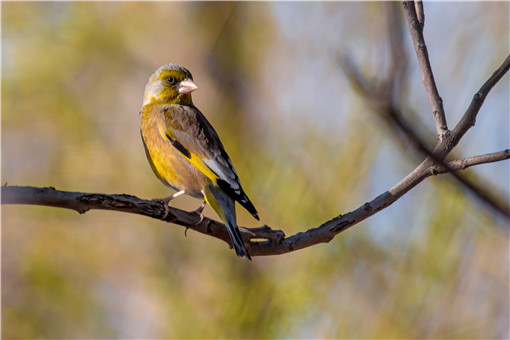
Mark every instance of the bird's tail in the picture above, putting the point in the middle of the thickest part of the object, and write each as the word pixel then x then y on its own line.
pixel 226 210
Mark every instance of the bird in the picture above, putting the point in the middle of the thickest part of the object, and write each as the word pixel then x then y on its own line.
pixel 185 151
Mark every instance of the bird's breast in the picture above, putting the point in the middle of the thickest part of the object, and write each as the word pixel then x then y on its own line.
pixel 167 162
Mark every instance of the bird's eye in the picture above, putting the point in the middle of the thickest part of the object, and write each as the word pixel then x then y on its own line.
pixel 171 80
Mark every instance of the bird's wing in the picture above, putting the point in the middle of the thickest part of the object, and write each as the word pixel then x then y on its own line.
pixel 190 133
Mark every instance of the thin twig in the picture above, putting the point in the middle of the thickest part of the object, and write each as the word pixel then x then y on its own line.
pixel 465 163
pixel 381 103
pixel 416 30
pixel 469 118
pixel 420 14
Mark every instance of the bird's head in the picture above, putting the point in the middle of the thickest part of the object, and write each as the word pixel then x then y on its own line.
pixel 170 84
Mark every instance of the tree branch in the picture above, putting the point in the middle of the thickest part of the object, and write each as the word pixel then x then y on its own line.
pixel 469 118
pixel 416 29
pixel 83 202
pixel 471 161
pixel 382 101
pixel 382 104
pixel 274 241
pixel 418 6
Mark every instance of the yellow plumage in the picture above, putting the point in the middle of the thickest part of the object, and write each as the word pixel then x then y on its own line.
pixel 184 150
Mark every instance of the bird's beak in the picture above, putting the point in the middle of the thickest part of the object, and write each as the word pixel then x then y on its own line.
pixel 187 86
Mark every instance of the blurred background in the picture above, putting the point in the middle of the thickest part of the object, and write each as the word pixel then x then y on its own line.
pixel 305 145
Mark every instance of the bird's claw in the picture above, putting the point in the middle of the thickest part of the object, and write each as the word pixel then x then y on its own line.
pixel 167 210
pixel 167 200
pixel 199 211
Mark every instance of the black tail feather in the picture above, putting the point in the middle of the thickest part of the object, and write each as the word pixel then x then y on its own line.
pixel 240 197
pixel 225 208
pixel 237 241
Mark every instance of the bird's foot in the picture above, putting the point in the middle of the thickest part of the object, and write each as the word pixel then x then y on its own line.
pixel 167 200
pixel 199 211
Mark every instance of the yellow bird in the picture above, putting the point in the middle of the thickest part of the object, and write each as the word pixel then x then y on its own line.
pixel 185 152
